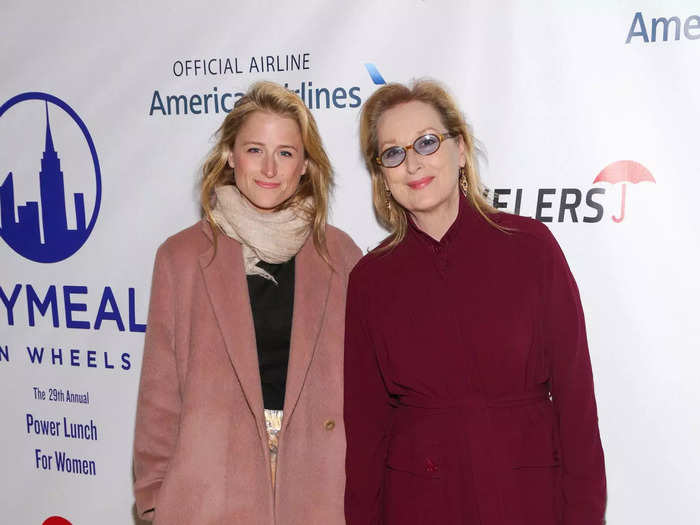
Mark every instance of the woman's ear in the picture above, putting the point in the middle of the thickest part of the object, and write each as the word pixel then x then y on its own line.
pixel 462 151
pixel 230 159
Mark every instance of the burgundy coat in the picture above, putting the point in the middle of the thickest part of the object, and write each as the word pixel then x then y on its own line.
pixel 200 449
pixel 468 386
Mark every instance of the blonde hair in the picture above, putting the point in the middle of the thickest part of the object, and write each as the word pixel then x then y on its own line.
pixel 431 92
pixel 316 182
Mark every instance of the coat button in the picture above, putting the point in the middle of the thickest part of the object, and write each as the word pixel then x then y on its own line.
pixel 430 466
pixel 329 424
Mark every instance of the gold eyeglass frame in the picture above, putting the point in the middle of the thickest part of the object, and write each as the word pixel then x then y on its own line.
pixel 441 136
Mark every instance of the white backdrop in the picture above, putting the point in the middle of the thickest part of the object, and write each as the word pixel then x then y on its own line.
pixel 555 92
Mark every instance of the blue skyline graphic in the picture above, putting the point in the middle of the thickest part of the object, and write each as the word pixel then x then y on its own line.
pixel 21 225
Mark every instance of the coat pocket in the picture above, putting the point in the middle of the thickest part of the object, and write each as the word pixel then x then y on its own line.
pixel 413 484
pixel 423 459
pixel 535 464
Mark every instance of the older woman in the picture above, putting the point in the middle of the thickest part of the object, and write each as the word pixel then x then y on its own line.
pixel 240 407
pixel 468 386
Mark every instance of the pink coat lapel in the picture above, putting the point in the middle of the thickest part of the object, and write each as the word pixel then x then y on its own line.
pixel 226 284
pixel 312 281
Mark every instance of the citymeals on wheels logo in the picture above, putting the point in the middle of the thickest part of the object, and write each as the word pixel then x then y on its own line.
pixel 55 225
pixel 50 192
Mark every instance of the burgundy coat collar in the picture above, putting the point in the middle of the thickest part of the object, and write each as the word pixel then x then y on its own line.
pixel 464 215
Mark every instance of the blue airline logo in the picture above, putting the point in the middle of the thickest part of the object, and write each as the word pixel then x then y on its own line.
pixel 374 74
pixel 38 230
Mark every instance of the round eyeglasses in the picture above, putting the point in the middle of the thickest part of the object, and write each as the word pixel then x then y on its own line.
pixel 424 145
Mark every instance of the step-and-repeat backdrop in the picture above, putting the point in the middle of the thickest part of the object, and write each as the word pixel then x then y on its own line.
pixel 587 115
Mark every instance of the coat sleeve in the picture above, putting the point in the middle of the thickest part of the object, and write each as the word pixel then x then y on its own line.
pixel 159 402
pixel 583 471
pixel 367 416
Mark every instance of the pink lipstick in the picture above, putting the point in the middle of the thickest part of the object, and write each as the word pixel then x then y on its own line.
pixel 420 183
pixel 267 185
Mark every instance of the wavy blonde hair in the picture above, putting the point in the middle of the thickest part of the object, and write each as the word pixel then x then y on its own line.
pixel 316 182
pixel 431 92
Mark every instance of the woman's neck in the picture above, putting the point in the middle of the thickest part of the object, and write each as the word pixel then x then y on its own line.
pixel 436 221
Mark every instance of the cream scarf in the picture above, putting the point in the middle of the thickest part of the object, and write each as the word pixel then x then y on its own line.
pixel 271 237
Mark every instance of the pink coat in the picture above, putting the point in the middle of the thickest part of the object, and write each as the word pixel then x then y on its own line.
pixel 200 448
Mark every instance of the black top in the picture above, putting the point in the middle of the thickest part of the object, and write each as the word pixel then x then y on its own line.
pixel 272 306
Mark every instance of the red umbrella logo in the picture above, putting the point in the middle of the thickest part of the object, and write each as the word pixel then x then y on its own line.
pixel 624 171
pixel 56 520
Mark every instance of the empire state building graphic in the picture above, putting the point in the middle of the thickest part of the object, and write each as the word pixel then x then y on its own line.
pixel 23 230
